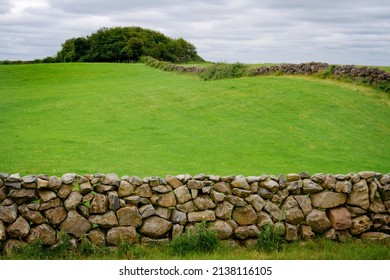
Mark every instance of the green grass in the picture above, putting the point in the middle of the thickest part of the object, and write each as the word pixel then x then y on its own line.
pixel 317 249
pixel 135 120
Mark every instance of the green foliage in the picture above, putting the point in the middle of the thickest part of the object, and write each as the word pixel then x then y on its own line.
pixel 268 239
pixel 125 44
pixel 197 240
pixel 219 71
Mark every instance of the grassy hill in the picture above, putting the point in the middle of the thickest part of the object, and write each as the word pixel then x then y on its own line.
pixel 135 120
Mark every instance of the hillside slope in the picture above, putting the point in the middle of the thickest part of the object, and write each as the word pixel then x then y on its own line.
pixel 132 119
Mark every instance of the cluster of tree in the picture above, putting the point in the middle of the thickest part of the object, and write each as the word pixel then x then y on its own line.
pixel 126 44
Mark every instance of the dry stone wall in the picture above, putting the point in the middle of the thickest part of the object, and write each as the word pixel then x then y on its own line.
pixel 107 209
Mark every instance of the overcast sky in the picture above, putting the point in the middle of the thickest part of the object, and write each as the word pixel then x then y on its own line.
pixel 248 31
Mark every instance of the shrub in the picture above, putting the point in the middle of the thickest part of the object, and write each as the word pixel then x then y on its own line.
pixel 223 71
pixel 269 239
pixel 197 240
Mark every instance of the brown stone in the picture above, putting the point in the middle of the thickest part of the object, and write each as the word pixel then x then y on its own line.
pixel 73 199
pixel 129 216
pixel 359 195
pixel 113 200
pixel 44 233
pixel 310 187
pixel 3 235
pixel 125 189
pixel 244 215
pixel 99 204
pixel 340 218
pixel 117 235
pixel 217 196
pixel 327 199
pixel 295 216
pixel 9 213
pixel 56 215
pixel 11 245
pixel 64 191
pixel 274 211
pixel 195 184
pixel 164 199
pixel 46 195
pixel 178 217
pixel 182 194
pixel 343 187
pixel 241 183
pixel 75 224
pixel 144 191
pixel 256 201
pixel 177 230
pixel 318 221
pixel 106 220
pixel 263 219
pixel 207 215
pixel 245 232
pixel 223 187
pixel 360 225
pixel 293 177
pixel 30 215
pixel 29 194
pixel 42 183
pixel 304 203
pixel 146 211
pixel 355 211
pixel 162 189
pixel 222 229
pixel 291 232
pixel 381 236
pixel 269 185
pixel 18 229
pixel 173 181
pixel 50 204
pixel 329 183
pixel 111 179
pixel 164 213
pixel 54 183
pixel 224 210
pixel 155 227
pixel 204 202
pixel 235 200
pixel 186 207
pixel 85 188
pixel 306 232
pixel 97 237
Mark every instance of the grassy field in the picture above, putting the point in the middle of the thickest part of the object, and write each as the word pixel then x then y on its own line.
pixel 135 120
pixel 318 249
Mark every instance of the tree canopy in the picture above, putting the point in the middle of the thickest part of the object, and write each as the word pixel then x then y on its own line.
pixel 126 44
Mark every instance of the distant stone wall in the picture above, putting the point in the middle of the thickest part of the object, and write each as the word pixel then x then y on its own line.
pixel 107 209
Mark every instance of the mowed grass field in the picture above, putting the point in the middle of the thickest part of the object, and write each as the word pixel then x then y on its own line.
pixel 134 120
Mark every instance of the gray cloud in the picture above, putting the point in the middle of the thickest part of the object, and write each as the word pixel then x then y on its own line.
pixel 342 31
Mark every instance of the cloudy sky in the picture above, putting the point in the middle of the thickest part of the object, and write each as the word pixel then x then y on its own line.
pixel 249 31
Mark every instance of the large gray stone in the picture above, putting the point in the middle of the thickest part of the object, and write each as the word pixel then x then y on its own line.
pixel 117 235
pixel 129 216
pixel 155 227
pixel 68 178
pixel 178 217
pixel 327 199
pixel 111 179
pixel 244 215
pixel 46 234
pixel 359 195
pixel 318 221
pixel 304 203
pixel 295 216
pixel 75 224
pixel 113 200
